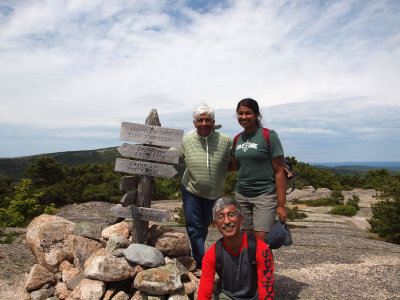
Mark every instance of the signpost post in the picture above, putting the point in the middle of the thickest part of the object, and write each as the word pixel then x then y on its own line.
pixel 136 204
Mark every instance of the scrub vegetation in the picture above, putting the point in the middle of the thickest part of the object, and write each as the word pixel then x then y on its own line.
pixel 47 183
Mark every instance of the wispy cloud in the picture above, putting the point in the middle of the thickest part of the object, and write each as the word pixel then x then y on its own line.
pixel 69 65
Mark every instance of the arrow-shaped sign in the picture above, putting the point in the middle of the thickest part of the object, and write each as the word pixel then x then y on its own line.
pixel 149 153
pixel 144 168
pixel 152 135
pixel 141 213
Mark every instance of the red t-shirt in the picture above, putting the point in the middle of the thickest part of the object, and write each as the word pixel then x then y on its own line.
pixel 239 279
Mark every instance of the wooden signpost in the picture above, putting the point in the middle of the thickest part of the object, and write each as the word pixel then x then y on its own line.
pixel 136 204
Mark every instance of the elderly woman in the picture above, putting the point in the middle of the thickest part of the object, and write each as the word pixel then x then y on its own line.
pixel 207 157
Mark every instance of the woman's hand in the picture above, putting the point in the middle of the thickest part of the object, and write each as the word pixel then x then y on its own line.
pixel 280 181
pixel 281 211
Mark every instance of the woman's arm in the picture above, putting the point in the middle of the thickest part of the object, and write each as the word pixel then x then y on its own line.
pixel 280 180
pixel 232 164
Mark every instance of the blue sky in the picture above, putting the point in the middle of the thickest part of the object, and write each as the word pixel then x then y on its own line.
pixel 326 73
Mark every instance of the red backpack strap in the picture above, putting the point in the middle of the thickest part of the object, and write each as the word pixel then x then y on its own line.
pixel 235 140
pixel 266 135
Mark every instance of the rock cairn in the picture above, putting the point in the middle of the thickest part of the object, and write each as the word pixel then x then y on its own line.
pixel 83 261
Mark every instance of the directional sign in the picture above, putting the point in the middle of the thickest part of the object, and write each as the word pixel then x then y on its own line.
pixel 152 135
pixel 149 153
pixel 141 213
pixel 144 168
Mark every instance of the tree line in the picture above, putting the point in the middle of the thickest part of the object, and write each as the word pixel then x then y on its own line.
pixel 48 184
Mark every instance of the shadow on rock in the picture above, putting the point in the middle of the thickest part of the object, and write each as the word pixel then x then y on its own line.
pixel 288 288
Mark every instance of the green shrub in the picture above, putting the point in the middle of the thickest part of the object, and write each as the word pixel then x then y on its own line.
pixel 166 188
pixel 344 210
pixel 346 188
pixel 181 217
pixel 337 197
pixel 354 201
pixel 49 210
pixel 386 213
pixel 294 213
pixel 24 206
pixel 317 202
pixel 229 186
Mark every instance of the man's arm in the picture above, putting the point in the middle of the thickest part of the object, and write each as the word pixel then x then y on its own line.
pixel 265 271
pixel 207 275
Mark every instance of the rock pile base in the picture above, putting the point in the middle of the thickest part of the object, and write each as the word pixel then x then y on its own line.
pixel 81 261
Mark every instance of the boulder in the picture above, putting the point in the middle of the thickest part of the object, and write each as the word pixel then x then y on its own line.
pixel 179 295
pixel 65 265
pixel 188 262
pixel 191 285
pixel 88 230
pixel 121 228
pixel 116 241
pixel 138 295
pixel 42 294
pixel 109 268
pixel 183 272
pixel 38 277
pixel 47 237
pixel 82 249
pixel 70 274
pixel 109 294
pixel 121 295
pixel 172 244
pixel 159 281
pixel 61 291
pixel 88 289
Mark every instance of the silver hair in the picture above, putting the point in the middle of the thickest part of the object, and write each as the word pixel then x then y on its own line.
pixel 203 109
pixel 221 203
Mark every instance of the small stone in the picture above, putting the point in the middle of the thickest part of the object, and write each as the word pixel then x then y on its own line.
pixel 144 255
pixel 38 277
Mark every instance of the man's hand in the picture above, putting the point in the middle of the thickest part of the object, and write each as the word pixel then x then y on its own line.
pixel 281 211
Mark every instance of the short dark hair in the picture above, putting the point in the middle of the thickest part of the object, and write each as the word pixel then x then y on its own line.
pixel 221 203
pixel 251 103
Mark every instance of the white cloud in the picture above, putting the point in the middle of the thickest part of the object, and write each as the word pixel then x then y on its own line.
pixel 77 63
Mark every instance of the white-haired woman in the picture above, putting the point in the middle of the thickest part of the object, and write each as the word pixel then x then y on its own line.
pixel 207 157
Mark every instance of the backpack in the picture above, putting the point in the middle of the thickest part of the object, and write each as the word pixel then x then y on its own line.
pixel 251 250
pixel 289 172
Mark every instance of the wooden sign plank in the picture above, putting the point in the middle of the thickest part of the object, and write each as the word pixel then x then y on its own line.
pixel 128 183
pixel 141 213
pixel 152 135
pixel 149 153
pixel 144 168
pixel 129 198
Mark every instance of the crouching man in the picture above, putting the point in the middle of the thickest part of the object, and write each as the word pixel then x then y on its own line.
pixel 243 262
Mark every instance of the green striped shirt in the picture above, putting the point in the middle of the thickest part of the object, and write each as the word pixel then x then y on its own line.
pixel 202 179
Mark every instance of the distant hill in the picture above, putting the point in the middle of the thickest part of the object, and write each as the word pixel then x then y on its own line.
pixel 16 166
pixel 360 168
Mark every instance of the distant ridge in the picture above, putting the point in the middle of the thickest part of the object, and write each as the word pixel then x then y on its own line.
pixel 374 164
pixel 360 168
pixel 16 166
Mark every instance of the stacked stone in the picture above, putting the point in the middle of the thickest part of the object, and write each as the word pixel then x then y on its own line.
pixel 82 261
